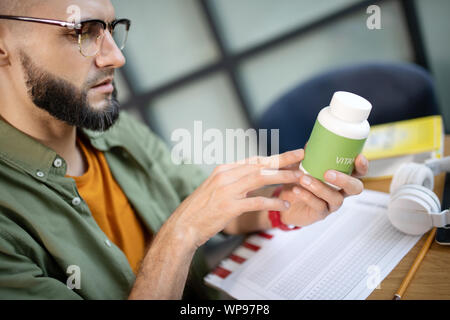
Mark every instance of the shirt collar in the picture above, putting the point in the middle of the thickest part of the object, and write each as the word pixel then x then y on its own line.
pixel 23 151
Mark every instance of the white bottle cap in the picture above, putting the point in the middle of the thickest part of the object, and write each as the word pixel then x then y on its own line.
pixel 350 107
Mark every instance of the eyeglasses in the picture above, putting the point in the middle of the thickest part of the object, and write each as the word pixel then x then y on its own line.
pixel 90 33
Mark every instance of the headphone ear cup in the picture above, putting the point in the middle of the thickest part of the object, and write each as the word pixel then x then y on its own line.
pixel 423 176
pixel 412 173
pixel 410 209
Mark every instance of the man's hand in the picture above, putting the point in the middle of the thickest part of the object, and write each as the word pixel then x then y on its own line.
pixel 223 195
pixel 312 200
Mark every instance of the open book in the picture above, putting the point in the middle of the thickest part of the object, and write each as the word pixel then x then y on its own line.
pixel 344 256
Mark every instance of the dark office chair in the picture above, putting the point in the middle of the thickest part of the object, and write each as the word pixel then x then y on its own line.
pixel 397 91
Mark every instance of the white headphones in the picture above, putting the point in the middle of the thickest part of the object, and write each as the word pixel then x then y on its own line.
pixel 413 207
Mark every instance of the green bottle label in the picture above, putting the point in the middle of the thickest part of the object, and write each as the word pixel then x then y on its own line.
pixel 326 150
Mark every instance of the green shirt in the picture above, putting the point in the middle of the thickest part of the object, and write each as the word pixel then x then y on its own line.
pixel 46 227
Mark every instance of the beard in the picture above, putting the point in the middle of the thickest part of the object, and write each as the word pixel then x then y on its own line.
pixel 65 102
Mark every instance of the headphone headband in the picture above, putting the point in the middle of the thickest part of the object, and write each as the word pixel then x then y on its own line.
pixel 441 220
pixel 439 165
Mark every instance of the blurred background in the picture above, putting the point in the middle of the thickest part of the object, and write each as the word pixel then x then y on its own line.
pixel 226 61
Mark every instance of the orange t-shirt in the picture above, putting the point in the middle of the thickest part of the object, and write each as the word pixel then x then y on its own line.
pixel 110 207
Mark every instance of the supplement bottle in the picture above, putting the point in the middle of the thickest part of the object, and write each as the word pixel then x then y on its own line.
pixel 338 136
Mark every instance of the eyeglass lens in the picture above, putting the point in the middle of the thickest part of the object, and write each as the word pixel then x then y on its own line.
pixel 92 34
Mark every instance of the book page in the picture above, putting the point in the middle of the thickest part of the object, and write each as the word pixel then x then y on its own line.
pixel 344 256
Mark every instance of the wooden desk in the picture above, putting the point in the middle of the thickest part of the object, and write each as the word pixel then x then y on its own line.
pixel 432 279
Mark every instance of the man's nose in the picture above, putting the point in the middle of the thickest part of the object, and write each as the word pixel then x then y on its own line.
pixel 109 56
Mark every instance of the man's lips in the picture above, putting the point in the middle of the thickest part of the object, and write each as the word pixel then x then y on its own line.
pixel 105 86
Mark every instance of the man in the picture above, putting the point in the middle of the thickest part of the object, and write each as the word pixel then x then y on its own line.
pixel 91 206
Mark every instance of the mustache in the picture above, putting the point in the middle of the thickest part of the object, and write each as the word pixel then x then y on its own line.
pixel 101 75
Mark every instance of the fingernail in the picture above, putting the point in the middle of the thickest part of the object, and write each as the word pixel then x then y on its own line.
pixel 287 204
pixel 364 162
pixel 306 180
pixel 298 152
pixel 331 175
pixel 298 174
pixel 296 190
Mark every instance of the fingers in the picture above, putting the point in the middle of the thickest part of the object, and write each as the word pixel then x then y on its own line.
pixel 262 204
pixel 311 200
pixel 225 167
pixel 277 161
pixel 230 173
pixel 227 174
pixel 264 177
pixel 361 166
pixel 350 185
pixel 293 166
pixel 332 197
pixel 289 159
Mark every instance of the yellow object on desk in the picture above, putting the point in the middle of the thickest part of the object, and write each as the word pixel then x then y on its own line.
pixel 415 265
pixel 391 144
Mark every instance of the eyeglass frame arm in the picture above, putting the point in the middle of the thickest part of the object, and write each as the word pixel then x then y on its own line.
pixel 71 25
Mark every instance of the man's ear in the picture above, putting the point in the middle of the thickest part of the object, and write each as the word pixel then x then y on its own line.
pixel 4 52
